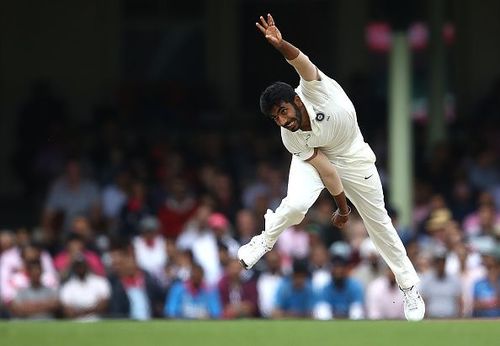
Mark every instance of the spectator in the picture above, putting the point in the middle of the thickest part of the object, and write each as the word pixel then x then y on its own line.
pixel 295 297
pixel 343 295
pixel 383 297
pixel 84 296
pixel 70 196
pixel 441 291
pixel 150 247
pixel 36 301
pixel 13 275
pixel 320 267
pixel 134 210
pixel 220 227
pixel 370 266
pixel 193 299
pixel 268 283
pixel 487 290
pixel 238 293
pixel 293 244
pixel 246 225
pixel 178 207
pixel 135 293
pixel 75 246
pixel 113 199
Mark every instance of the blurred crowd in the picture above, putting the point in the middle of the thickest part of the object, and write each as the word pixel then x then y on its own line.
pixel 142 219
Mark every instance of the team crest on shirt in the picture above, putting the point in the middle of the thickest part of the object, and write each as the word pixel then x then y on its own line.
pixel 320 116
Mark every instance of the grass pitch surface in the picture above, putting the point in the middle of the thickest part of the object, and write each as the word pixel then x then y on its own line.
pixel 251 333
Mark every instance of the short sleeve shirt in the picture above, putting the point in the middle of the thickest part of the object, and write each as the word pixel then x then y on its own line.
pixel 334 126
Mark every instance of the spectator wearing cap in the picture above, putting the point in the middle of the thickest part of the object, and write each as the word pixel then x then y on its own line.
pixel 295 297
pixel 441 291
pixel 343 296
pixel 85 295
pixel 383 297
pixel 150 247
pixel 221 227
pixel 205 246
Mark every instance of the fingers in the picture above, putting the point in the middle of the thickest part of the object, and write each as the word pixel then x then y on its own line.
pixel 270 19
pixel 261 28
pixel 264 23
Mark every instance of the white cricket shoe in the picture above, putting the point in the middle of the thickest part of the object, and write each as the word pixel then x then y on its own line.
pixel 252 252
pixel 413 304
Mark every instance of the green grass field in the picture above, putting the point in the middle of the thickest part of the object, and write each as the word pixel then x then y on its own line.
pixel 250 332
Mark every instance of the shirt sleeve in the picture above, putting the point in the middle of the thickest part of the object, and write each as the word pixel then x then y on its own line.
pixel 295 146
pixel 318 91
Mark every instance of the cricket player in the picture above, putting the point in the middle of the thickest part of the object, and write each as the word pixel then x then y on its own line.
pixel 319 128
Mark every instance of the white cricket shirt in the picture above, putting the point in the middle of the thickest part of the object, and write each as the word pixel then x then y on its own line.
pixel 334 126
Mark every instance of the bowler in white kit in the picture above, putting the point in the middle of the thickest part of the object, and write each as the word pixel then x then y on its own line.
pixel 320 129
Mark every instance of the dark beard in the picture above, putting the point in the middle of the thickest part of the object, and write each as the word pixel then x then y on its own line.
pixel 298 114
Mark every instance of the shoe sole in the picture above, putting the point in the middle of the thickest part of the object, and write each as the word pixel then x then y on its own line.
pixel 243 264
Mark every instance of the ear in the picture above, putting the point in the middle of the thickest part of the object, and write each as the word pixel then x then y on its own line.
pixel 297 101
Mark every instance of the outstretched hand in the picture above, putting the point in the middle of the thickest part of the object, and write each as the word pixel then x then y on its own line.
pixel 269 30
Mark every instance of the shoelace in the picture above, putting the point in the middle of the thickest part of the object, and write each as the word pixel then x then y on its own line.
pixel 411 298
pixel 259 240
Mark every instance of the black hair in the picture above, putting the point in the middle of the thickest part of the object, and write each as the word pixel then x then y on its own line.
pixel 274 94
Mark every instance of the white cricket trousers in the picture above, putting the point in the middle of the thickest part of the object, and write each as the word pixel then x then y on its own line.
pixel 304 187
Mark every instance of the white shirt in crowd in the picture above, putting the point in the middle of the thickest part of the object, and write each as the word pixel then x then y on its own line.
pixel 85 293
pixel 151 257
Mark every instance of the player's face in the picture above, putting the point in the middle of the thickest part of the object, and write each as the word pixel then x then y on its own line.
pixel 287 115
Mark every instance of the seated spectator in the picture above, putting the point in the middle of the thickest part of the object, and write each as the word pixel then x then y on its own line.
pixel 487 290
pixel 133 210
pixel 370 266
pixel 246 225
pixel 150 247
pixel 383 297
pixel 221 229
pixel 70 196
pixel 238 293
pixel 192 299
pixel 295 297
pixel 177 209
pixel 320 267
pixel 178 269
pixel 35 301
pixel 13 274
pixel 114 197
pixel 268 283
pixel 441 291
pixel 293 244
pixel 135 293
pixel 75 246
pixel 343 295
pixel 84 296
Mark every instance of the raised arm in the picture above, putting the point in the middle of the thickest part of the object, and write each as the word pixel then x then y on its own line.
pixel 304 67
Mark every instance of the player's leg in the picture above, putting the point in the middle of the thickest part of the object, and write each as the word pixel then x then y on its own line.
pixel 304 187
pixel 363 188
